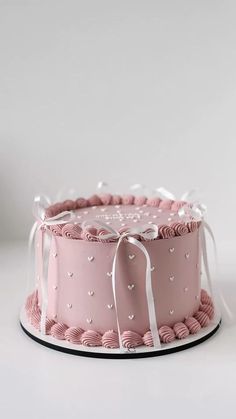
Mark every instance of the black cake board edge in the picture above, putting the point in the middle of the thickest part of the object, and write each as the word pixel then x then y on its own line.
pixel 153 353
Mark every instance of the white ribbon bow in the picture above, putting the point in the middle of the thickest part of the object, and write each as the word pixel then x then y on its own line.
pixel 147 232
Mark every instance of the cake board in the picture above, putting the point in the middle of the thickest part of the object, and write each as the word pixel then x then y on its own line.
pixel 101 352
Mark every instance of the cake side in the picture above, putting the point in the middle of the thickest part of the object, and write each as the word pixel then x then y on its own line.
pixel 80 284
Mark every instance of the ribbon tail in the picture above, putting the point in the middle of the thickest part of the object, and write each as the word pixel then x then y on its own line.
pixel 149 294
pixel 114 294
pixel 45 249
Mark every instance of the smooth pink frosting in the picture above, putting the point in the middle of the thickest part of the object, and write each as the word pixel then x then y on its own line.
pixel 71 231
pixel 180 229
pixel 181 330
pixel 167 334
pixel 131 339
pixel 193 325
pixel 110 339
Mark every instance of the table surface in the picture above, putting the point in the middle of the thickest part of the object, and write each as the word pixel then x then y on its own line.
pixel 36 382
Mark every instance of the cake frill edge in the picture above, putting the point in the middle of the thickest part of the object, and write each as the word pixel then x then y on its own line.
pixel 130 339
pixel 76 232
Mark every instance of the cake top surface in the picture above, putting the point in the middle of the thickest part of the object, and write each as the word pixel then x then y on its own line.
pixel 118 216
pixel 95 217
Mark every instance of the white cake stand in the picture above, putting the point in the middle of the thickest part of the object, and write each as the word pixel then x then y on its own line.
pixel 100 352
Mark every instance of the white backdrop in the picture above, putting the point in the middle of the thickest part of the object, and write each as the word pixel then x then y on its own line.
pixel 123 91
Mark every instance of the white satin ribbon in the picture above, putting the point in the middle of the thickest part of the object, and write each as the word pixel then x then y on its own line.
pixel 147 232
pixel 39 209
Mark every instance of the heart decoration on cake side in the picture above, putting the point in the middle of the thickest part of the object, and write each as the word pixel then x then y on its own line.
pixel 109 274
pixel 90 258
pixel 131 316
pixel 110 306
pixel 70 274
pixel 90 293
pixel 152 268
pixel 171 249
pixel 131 287
pixel 131 257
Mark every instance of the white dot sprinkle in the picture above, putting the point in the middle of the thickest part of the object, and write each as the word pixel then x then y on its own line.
pixel 185 289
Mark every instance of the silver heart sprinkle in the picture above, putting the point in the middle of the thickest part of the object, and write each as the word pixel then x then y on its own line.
pixel 172 249
pixel 110 306
pixel 172 278
pixel 131 287
pixel 54 254
pixel 171 312
pixel 90 293
pixel 109 274
pixel 131 257
pixel 55 287
pixel 131 316
pixel 187 255
pixel 70 274
pixel 90 258
pixel 152 268
pixel 69 305
pixel 89 321
pixel 185 289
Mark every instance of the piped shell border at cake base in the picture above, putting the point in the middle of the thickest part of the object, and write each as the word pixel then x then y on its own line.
pixel 130 339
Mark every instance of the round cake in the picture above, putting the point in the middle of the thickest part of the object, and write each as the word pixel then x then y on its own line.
pixel 92 272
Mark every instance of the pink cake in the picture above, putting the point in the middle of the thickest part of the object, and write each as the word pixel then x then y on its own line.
pixel 83 304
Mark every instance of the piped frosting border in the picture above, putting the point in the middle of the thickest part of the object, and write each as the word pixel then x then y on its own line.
pixel 130 339
pixel 76 232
